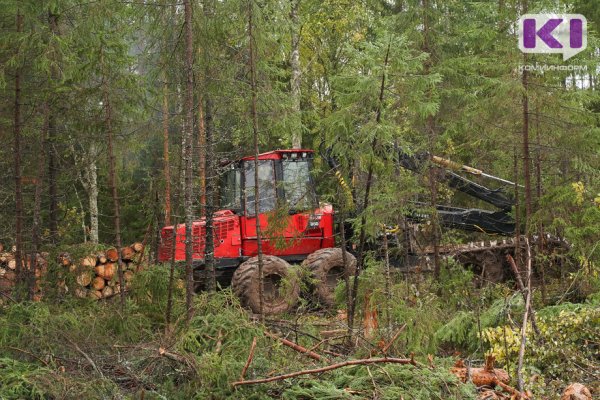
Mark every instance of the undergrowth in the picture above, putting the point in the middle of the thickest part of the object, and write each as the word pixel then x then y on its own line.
pixel 79 348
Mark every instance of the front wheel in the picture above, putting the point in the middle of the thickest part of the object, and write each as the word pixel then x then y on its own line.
pixel 280 284
pixel 327 269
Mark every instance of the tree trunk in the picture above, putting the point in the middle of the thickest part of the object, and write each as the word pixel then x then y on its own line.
pixel 91 173
pixel 525 319
pixel 166 164
pixel 52 163
pixel 346 269
pixel 360 259
pixel 526 155
pixel 538 182
pixel 254 112
pixel 202 152
pixel 112 176
pixel 87 173
pixel 517 201
pixel 295 76
pixel 431 139
pixel 187 153
pixel 37 208
pixel 17 163
pixel 169 310
pixel 209 199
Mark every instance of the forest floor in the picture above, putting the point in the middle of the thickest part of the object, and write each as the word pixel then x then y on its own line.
pixel 64 347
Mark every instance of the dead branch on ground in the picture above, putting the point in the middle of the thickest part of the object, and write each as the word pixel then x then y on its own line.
pixel 296 347
pixel 366 361
pixel 249 360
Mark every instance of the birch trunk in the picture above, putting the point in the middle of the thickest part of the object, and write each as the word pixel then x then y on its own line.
pixel 295 76
pixel 90 171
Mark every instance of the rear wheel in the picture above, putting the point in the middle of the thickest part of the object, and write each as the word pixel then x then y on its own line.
pixel 327 269
pixel 280 284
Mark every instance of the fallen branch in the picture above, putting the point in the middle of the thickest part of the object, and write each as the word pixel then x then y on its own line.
pixel 511 390
pixel 84 354
pixel 521 286
pixel 334 332
pixel 525 318
pixel 172 356
pixel 333 353
pixel 366 361
pixel 8 297
pixel 393 339
pixel 27 353
pixel 178 358
pixel 249 360
pixel 296 347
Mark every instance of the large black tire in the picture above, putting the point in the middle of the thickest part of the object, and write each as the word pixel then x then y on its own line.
pixel 279 297
pixel 327 269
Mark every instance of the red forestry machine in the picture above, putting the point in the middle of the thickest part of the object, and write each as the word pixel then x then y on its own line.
pixel 305 232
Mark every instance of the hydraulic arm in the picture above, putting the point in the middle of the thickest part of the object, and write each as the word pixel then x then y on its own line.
pixel 471 219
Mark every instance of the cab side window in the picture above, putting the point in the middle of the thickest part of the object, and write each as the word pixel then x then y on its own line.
pixel 266 186
pixel 231 190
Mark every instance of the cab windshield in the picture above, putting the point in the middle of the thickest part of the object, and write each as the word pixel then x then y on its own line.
pixel 283 183
pixel 297 186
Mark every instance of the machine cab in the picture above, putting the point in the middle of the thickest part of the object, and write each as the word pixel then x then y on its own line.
pixel 292 222
pixel 289 214
pixel 284 181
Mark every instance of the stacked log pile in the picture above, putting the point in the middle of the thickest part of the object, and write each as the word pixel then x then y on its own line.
pixel 8 270
pixel 96 275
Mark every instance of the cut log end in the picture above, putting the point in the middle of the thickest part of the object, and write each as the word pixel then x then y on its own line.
pixel 98 283
pixel 127 253
pixel 112 255
pixel 88 262
pixel 576 391
pixel 84 278
pixel 102 259
pixel 138 247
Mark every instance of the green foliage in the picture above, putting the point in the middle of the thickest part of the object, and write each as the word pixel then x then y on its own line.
pixel 455 284
pixel 20 380
pixel 465 328
pixel 567 349
pixel 458 331
pixel 17 380
pixel 451 85
pixel 383 382
pixel 150 289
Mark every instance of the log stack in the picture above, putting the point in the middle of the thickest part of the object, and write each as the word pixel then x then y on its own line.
pixel 97 275
pixel 8 270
